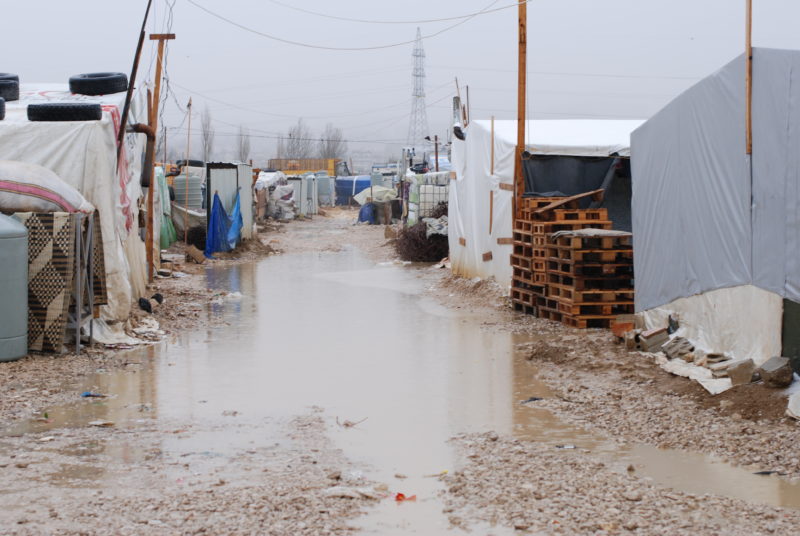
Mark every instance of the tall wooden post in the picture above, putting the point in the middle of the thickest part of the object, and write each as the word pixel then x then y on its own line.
pixel 186 189
pixel 436 150
pixel 162 39
pixel 519 172
pixel 749 77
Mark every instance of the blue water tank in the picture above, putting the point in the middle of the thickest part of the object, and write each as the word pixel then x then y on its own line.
pixel 347 187
pixel 14 282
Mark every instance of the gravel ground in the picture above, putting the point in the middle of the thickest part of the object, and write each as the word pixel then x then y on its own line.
pixel 298 485
pixel 536 489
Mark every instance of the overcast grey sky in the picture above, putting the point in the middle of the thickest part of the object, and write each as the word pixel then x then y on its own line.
pixel 610 59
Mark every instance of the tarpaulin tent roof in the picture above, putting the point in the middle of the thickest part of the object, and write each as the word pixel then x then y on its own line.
pixel 83 154
pixel 569 137
pixel 474 227
pixel 705 215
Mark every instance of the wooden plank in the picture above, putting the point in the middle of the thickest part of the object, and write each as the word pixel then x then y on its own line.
pixel 595 195
pixel 487 256
pixel 506 241
pixel 506 187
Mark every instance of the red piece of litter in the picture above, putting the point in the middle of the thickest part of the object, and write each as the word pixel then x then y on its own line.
pixel 400 497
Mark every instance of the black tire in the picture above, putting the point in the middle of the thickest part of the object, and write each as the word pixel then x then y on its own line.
pixel 98 83
pixel 65 111
pixel 9 90
pixel 2 109
pixel 171 193
pixel 9 76
pixel 190 163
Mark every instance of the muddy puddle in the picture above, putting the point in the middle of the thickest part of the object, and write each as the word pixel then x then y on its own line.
pixel 364 343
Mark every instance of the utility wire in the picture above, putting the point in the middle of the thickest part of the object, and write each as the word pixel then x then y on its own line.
pixel 346 49
pixel 421 21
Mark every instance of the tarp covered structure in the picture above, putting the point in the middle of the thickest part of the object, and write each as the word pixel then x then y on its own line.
pixel 708 217
pixel 84 155
pixel 480 202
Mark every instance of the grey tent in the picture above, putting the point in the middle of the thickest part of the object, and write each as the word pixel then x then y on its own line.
pixel 708 217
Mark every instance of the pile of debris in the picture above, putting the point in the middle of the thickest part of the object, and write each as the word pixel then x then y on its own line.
pixel 568 265
pixel 716 372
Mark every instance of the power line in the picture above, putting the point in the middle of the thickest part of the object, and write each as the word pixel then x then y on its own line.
pixel 421 21
pixel 284 137
pixel 555 73
pixel 321 47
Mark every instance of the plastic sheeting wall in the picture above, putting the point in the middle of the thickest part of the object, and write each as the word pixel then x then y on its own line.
pixel 700 222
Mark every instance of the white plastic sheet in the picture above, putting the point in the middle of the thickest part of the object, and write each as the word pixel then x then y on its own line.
pixel 83 154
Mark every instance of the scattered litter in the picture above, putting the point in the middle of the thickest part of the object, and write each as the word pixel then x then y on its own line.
pixel 230 413
pixel 119 347
pixel 233 296
pixel 566 447
pixel 46 439
pixel 768 473
pixel 436 475
pixel 179 275
pixel 349 424
pixel 343 492
pixel 400 476
pixel 531 399
pixel 400 497
pixel 90 394
pixel 101 424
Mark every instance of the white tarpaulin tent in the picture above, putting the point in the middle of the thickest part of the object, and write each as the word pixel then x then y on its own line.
pixel 83 154
pixel 472 236
pixel 708 218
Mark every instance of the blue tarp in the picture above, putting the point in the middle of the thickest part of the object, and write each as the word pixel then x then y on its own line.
pixel 223 231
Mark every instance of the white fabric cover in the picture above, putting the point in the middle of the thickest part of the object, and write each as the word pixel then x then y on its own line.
pixel 83 154
pixel 470 193
pixel 714 321
pixel 30 188
pixel 701 221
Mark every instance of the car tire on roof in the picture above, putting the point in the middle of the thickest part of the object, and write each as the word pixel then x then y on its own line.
pixel 65 111
pixel 98 83
pixel 190 163
pixel 9 76
pixel 2 109
pixel 9 89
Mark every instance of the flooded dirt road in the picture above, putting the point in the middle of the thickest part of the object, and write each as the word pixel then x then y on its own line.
pixel 329 383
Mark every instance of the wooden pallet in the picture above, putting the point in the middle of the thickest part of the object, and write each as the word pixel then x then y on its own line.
pixel 568 254
pixel 597 269
pixel 595 309
pixel 567 293
pixel 524 308
pixel 521 262
pixel 563 215
pixel 546 228
pixel 591 282
pixel 522 237
pixel 594 242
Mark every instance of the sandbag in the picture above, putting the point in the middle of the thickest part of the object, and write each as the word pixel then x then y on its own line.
pixel 30 188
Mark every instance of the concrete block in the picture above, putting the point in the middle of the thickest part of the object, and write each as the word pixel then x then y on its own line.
pixel 678 347
pixel 652 340
pixel 776 372
pixel 741 372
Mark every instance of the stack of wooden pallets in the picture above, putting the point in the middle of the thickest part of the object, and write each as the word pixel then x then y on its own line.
pixel 582 281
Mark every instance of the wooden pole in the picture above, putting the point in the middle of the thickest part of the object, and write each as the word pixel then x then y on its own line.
pixel 491 192
pixel 436 150
pixel 186 185
pixel 492 162
pixel 149 242
pixel 519 172
pixel 749 77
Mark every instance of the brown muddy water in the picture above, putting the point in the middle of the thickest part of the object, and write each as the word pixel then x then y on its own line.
pixel 364 343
